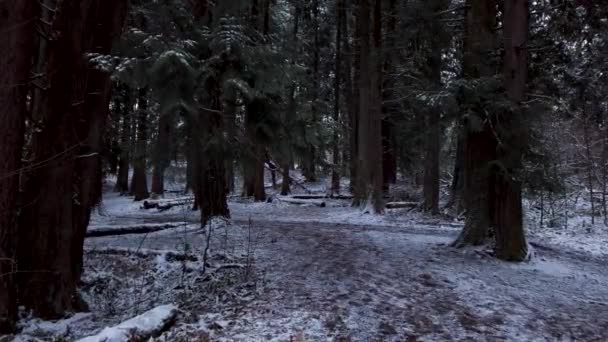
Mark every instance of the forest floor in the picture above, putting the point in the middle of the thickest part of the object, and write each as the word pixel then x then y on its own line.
pixel 284 272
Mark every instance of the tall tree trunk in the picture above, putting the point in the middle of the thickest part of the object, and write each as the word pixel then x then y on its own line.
pixel 389 106
pixel 109 18
pixel 433 123
pixel 369 164
pixel 122 179
pixel 60 194
pixel 510 238
pixel 480 144
pixel 139 183
pixel 353 93
pixel 309 160
pixel 16 44
pixel 161 157
pixel 335 175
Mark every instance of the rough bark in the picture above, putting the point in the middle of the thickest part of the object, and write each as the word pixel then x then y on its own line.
pixel 139 182
pixel 335 174
pixel 16 43
pixel 511 242
pixel 369 163
pixel 161 154
pixel 480 142
pixel 433 129
pixel 60 194
pixel 354 66
pixel 122 178
pixel 389 105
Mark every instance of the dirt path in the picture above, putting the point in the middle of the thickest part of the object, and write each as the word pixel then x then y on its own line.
pixel 325 281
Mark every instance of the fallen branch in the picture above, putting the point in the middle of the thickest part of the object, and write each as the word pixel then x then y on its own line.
pixel 322 196
pixel 98 231
pixel 167 204
pixel 144 253
pixel 399 205
pixel 321 204
pixel 139 328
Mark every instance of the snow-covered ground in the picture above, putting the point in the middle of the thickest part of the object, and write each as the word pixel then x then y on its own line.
pixel 284 272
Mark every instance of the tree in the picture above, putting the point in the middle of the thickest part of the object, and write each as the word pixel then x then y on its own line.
pixel 480 142
pixel 510 238
pixel 66 183
pixel 369 165
pixel 139 182
pixel 16 42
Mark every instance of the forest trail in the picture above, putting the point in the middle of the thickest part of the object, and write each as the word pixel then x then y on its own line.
pixel 326 281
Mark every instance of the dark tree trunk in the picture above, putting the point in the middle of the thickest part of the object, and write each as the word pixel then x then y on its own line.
pixel 433 126
pixel 353 93
pixel 161 154
pixel 457 186
pixel 335 174
pixel 480 151
pixel 16 44
pixel 480 143
pixel 510 238
pixel 122 179
pixel 139 183
pixel 309 159
pixel 62 193
pixel 369 162
pixel 212 189
pixel 259 193
pixel 389 107
pixel 286 180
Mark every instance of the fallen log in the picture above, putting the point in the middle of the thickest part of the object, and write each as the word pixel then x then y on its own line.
pixel 400 205
pixel 322 196
pixel 317 203
pixel 170 256
pixel 139 328
pixel 167 204
pixel 98 231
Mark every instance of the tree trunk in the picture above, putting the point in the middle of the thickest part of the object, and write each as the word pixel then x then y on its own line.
pixel 122 179
pixel 161 154
pixel 480 142
pixel 335 175
pixel 60 194
pixel 353 92
pixel 286 180
pixel 16 44
pixel 457 186
pixel 369 163
pixel 139 183
pixel 510 238
pixel 212 190
pixel 433 125
pixel 389 106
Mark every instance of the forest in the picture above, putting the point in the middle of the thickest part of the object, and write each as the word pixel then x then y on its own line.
pixel 303 170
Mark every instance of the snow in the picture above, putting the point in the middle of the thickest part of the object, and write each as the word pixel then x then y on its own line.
pixel 279 271
pixel 143 325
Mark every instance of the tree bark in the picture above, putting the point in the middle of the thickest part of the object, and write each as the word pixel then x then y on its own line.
pixel 389 107
pixel 480 142
pixel 17 22
pixel 511 242
pixel 139 182
pixel 433 126
pixel 122 179
pixel 60 195
pixel 335 174
pixel 161 154
pixel 369 163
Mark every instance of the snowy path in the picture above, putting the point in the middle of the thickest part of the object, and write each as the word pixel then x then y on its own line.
pixel 327 281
